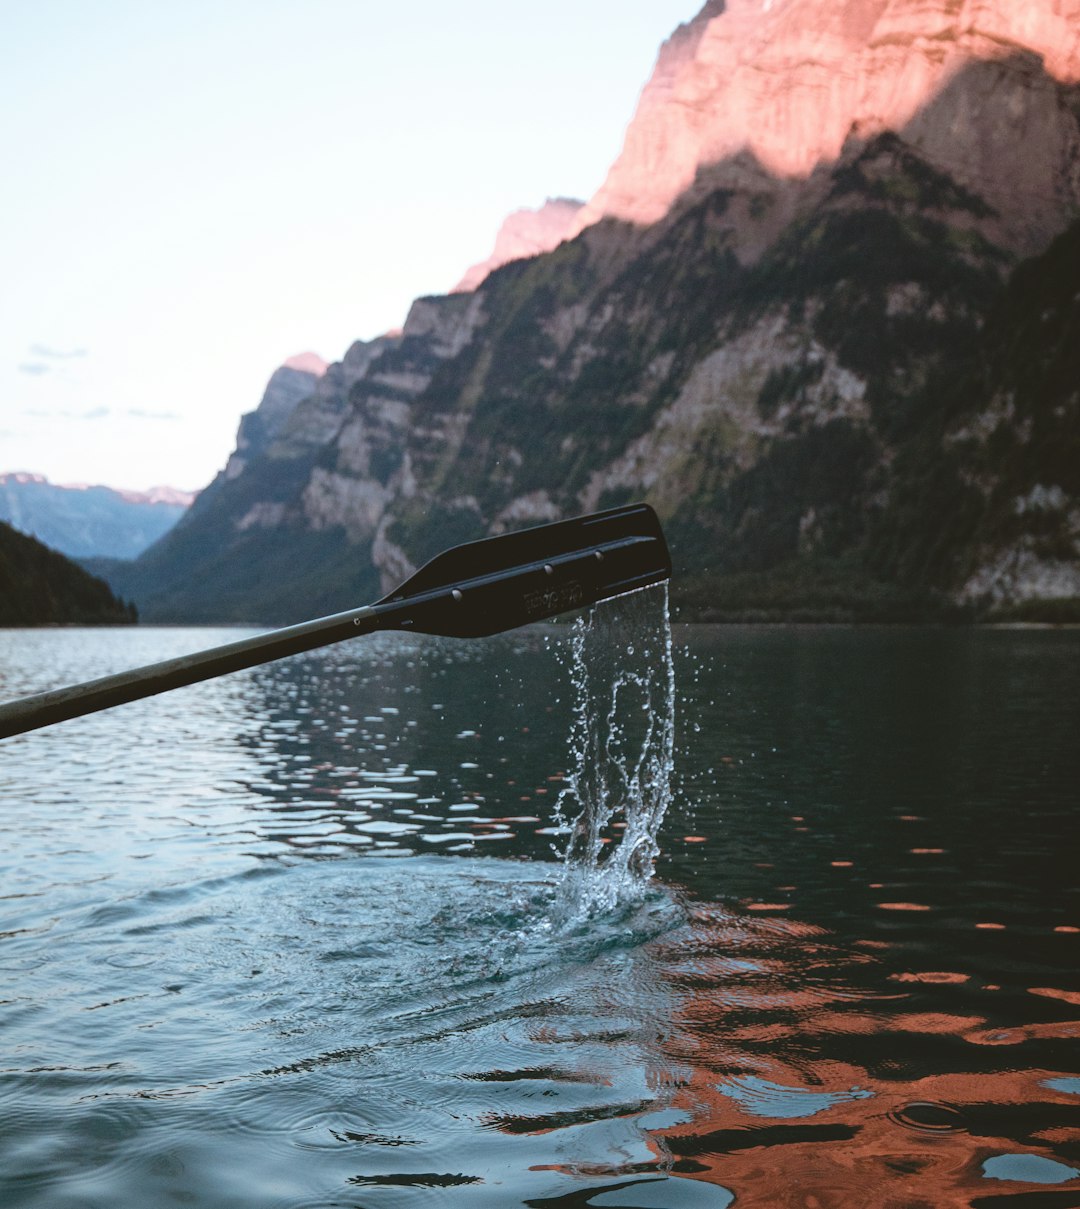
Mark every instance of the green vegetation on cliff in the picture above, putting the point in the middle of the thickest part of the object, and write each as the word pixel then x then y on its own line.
pixel 38 586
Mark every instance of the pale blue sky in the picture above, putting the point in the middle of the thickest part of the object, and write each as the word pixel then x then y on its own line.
pixel 193 192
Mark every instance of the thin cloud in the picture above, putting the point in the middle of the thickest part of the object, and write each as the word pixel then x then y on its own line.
pixel 56 354
pixel 141 414
pixel 41 413
pixel 34 367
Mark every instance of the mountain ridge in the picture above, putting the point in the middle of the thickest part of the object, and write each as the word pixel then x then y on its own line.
pixel 759 363
pixel 789 83
pixel 83 520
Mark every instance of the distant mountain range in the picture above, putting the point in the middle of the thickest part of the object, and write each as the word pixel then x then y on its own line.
pixel 822 314
pixel 84 521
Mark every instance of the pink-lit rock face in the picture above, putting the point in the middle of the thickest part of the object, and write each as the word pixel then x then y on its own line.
pixel 787 84
pixel 525 233
pixel 307 363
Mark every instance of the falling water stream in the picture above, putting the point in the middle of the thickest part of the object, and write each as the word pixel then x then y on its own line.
pixel 622 746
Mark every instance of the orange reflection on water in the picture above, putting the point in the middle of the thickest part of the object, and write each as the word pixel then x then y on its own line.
pixel 931 976
pixel 1053 993
pixel 1049 1031
pixel 796 1071
pixel 780 1110
pixel 873 1023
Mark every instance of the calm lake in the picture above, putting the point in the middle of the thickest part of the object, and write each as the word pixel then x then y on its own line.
pixel 305 937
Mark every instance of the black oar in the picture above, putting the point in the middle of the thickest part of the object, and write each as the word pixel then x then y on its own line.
pixel 481 588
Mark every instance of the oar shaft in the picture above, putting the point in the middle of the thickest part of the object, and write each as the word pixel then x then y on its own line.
pixel 469 591
pixel 43 709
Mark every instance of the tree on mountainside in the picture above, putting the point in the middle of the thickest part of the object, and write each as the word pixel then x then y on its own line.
pixel 38 586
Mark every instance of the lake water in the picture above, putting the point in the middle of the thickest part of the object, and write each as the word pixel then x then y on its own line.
pixel 304 936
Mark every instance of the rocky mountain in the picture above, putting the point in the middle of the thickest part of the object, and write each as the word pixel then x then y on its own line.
pixel 40 587
pixel 523 234
pixel 85 521
pixel 819 315
pixel 986 494
pixel 290 383
pixel 782 89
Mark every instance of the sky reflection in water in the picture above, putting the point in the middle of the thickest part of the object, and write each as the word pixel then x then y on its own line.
pixel 854 980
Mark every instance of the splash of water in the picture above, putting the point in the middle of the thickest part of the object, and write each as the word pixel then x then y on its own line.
pixel 622 738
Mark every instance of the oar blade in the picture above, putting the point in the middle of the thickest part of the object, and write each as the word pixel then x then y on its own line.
pixel 503 582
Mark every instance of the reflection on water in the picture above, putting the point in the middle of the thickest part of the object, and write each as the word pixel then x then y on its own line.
pixel 854 979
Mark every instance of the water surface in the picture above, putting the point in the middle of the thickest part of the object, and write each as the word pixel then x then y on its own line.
pixel 300 936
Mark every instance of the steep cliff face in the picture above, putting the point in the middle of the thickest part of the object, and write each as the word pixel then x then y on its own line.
pixel 795 264
pixel 291 382
pixel 788 84
pixel 759 407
